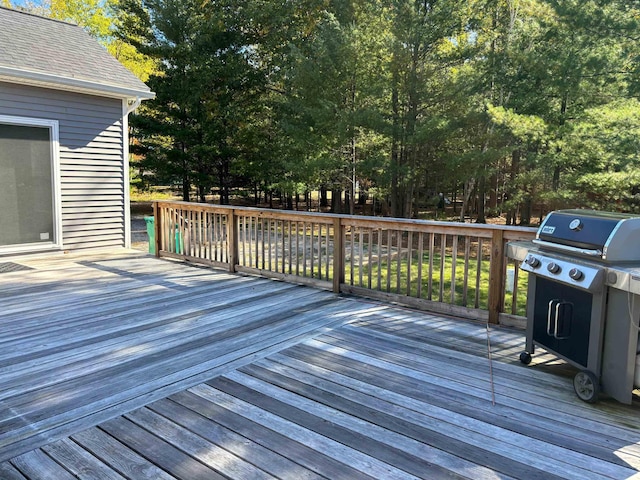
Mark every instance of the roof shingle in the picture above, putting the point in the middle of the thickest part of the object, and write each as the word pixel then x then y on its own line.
pixel 35 44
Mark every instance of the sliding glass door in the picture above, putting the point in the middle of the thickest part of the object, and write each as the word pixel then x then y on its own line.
pixel 27 184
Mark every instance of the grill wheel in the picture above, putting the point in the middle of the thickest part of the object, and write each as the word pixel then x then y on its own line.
pixel 586 386
pixel 525 357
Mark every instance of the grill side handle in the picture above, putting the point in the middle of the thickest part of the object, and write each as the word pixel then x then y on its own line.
pixel 566 248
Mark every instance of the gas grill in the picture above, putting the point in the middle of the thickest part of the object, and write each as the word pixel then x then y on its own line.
pixel 583 299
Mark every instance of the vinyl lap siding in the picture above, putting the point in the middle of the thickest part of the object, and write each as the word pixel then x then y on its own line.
pixel 91 160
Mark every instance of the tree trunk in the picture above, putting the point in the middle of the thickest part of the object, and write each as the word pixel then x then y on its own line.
pixel 336 201
pixel 324 200
pixel 454 196
pixel 186 188
pixel 469 187
pixel 395 200
pixel 482 187
pixel 525 213
pixel 493 192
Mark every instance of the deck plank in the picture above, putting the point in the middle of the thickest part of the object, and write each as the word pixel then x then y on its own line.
pixel 80 462
pixel 117 456
pixel 299 452
pixel 264 458
pixel 159 452
pixel 335 449
pixel 9 472
pixel 212 455
pixel 32 464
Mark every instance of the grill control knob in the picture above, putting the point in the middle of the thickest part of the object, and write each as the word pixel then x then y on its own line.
pixel 532 261
pixel 553 267
pixel 576 274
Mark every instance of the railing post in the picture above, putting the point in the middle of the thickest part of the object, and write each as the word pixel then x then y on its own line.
pixel 157 226
pixel 232 237
pixel 338 254
pixel 496 276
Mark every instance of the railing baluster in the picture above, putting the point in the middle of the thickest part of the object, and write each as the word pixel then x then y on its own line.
pixel 465 283
pixel 311 248
pixel 320 251
pixel 269 242
pixel 420 261
pixel 283 252
pixel 289 241
pixel 352 253
pixel 514 303
pixel 253 252
pixel 432 242
pixel 409 258
pixel 454 266
pixel 263 256
pixel 304 249
pixel 443 252
pixel 297 248
pixel 398 260
pixel 245 240
pixel 389 258
pixel 380 244
pixel 369 256
pixel 360 255
pixel 200 239
pixel 478 274
pixel 327 252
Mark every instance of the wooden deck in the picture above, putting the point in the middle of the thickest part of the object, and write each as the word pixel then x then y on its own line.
pixel 124 366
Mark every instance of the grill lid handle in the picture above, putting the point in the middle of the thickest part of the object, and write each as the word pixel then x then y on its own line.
pixel 567 248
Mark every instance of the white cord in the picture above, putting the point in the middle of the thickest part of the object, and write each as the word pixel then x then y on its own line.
pixel 631 299
pixel 493 393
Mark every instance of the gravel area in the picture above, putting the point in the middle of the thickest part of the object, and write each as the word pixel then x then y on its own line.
pixel 139 238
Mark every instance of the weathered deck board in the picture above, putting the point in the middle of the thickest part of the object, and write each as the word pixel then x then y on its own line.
pixel 168 371
pixel 109 357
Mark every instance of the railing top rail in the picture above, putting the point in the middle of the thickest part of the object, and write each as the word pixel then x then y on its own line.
pixel 512 232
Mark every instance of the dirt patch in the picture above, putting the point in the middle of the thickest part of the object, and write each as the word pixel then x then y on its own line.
pixel 141 208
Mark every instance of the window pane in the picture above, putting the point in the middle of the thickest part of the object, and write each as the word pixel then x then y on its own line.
pixel 26 197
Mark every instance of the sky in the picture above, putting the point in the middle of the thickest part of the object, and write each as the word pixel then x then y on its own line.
pixel 29 3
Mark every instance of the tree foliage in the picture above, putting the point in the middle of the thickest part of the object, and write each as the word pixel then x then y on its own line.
pixel 513 107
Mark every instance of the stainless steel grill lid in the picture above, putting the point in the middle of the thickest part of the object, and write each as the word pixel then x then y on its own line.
pixel 612 237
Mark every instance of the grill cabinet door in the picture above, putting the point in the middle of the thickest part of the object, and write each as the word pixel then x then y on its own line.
pixel 562 320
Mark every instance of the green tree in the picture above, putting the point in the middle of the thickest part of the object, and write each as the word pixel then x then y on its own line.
pixel 422 40
pixel 601 156
pixel 206 88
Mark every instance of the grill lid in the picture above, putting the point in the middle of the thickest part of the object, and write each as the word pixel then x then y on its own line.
pixel 613 237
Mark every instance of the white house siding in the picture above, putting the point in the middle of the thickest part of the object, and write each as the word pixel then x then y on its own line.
pixel 92 177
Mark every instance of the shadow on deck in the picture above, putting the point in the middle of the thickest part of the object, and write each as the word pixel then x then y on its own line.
pixel 125 366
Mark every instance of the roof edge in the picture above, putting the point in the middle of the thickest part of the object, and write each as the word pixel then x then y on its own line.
pixel 47 80
pixel 37 15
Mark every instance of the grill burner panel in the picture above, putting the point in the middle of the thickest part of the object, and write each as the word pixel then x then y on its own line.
pixel 582 276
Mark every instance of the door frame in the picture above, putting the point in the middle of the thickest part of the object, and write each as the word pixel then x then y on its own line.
pixel 54 144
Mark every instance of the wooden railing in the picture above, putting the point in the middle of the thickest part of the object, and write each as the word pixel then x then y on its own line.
pixel 454 268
